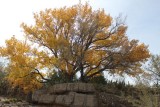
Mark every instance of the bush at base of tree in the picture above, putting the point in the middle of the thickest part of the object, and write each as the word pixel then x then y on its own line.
pixel 98 80
pixel 3 83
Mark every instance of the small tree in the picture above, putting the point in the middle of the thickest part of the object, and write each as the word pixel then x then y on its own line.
pixel 154 68
pixel 73 40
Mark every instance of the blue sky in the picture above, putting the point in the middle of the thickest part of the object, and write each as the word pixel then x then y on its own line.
pixel 143 18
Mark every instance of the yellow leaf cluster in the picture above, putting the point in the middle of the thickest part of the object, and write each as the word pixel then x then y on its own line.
pixel 103 19
pixel 138 53
pixel 94 57
pixel 22 64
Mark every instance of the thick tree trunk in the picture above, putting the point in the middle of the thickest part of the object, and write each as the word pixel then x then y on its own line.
pixel 82 77
pixel 70 78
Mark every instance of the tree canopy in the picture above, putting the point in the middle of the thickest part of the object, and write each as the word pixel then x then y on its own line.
pixel 72 40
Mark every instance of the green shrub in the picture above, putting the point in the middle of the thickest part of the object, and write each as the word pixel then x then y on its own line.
pixel 98 80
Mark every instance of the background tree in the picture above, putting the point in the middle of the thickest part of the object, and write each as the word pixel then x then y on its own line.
pixel 153 68
pixel 73 40
pixel 3 82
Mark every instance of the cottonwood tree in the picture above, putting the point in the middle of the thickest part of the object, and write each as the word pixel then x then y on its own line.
pixel 72 40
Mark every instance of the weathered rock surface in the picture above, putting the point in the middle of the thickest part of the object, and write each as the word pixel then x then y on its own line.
pixel 77 95
pixel 68 94
pixel 47 99
pixel 37 94
pixel 72 87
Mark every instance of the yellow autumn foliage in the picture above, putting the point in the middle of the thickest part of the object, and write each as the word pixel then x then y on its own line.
pixel 72 40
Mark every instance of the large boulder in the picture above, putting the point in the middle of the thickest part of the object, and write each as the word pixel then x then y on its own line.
pixel 69 99
pixel 67 94
pixel 79 100
pixel 37 94
pixel 47 99
pixel 91 101
pixel 72 87
pixel 58 89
